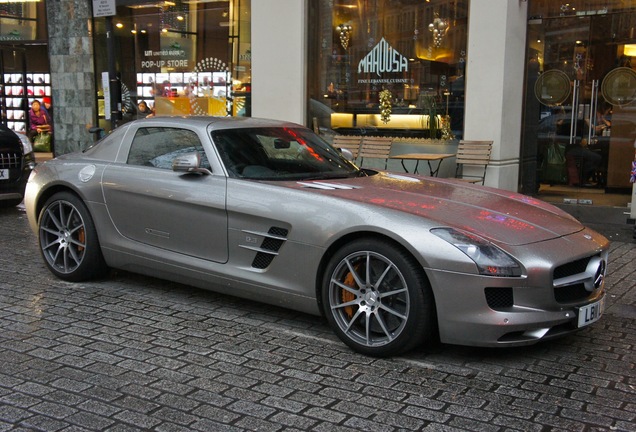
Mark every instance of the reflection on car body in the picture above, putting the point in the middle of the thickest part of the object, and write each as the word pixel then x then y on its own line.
pixel 277 215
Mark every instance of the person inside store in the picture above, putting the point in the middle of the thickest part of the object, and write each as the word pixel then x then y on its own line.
pixel 602 120
pixel 587 161
pixel 48 107
pixel 144 111
pixel 39 120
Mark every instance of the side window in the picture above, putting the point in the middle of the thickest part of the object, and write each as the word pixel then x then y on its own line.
pixel 158 146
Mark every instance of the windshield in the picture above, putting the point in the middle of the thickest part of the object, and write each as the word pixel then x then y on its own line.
pixel 280 154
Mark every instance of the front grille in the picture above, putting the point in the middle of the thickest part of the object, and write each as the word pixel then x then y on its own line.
pixel 569 269
pixel 572 290
pixel 499 298
pixel 571 293
pixel 10 160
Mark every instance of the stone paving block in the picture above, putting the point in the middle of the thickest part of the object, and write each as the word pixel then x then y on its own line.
pixel 206 425
pixel 41 423
pixel 175 416
pixel 312 399
pixel 136 419
pixel 364 424
pixel 472 425
pixel 89 420
pixel 55 410
pixel 12 414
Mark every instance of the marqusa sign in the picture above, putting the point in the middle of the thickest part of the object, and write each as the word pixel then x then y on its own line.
pixel 383 58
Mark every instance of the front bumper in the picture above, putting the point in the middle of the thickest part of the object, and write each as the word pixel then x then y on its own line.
pixel 493 312
pixel 18 170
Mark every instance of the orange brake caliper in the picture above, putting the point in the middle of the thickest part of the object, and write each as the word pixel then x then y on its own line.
pixel 347 296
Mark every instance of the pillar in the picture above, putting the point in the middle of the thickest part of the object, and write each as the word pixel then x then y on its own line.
pixel 279 59
pixel 495 84
pixel 72 73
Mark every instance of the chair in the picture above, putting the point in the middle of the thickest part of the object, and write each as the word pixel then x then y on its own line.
pixel 351 143
pixel 474 154
pixel 376 147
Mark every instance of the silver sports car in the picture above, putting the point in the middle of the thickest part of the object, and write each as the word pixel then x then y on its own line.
pixel 268 211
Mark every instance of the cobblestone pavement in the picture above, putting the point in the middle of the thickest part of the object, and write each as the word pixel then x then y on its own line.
pixel 136 353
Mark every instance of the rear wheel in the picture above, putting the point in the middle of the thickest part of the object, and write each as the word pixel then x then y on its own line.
pixel 68 239
pixel 377 299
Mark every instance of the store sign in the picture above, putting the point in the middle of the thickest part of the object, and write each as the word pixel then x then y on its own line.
pixel 382 59
pixel 170 58
pixel 174 54
pixel 103 8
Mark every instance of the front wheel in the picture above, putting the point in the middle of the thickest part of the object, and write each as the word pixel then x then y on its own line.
pixel 377 299
pixel 68 239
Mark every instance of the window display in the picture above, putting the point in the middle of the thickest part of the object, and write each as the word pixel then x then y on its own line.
pixel 180 59
pixel 580 120
pixel 20 90
pixel 412 53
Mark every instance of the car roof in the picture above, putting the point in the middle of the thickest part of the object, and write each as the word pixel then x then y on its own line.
pixel 216 123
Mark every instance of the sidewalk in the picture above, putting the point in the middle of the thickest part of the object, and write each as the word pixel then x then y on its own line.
pixel 42 157
pixel 609 221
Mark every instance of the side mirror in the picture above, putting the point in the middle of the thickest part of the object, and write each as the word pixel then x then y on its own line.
pixel 281 144
pixel 189 163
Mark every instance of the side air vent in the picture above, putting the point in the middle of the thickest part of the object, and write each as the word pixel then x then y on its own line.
pixel 273 240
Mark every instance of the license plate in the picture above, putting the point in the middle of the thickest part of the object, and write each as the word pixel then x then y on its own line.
pixel 591 313
pixel 4 174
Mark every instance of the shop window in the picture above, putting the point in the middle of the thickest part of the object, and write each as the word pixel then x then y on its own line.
pixel 19 21
pixel 182 58
pixel 388 69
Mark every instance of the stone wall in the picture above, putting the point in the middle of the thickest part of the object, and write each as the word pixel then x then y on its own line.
pixel 72 72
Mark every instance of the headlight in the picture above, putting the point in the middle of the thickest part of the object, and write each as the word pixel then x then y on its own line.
pixel 26 144
pixel 490 260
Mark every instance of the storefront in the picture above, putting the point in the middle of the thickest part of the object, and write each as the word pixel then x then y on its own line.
pixel 529 75
pixel 176 58
pixel 24 62
pixel 580 116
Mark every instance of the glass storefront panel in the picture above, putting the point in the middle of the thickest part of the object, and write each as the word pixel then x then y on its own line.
pixel 580 110
pixel 388 67
pixel 178 58
pixel 24 62
pixel 19 21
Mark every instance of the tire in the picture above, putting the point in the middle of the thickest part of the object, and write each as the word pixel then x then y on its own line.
pixel 383 311
pixel 68 239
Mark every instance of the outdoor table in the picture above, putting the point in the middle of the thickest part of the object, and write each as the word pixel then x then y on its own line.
pixel 428 157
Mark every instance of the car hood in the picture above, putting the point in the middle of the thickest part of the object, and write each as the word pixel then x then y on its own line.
pixel 501 216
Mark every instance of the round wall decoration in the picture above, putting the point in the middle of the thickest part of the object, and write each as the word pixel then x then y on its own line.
pixel 619 86
pixel 552 87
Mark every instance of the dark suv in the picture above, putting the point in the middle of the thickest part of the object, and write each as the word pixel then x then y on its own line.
pixel 16 162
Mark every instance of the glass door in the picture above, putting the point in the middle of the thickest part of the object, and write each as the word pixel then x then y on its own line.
pixel 580 119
